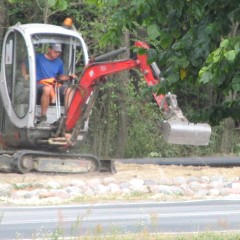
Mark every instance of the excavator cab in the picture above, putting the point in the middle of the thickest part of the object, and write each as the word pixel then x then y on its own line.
pixel 19 106
pixel 26 144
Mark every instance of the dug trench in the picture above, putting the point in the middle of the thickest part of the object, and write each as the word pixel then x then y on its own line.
pixel 125 172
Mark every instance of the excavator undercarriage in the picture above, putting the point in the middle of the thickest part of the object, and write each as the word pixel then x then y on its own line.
pixel 23 161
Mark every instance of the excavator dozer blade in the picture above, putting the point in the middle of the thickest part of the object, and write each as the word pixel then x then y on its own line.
pixel 186 133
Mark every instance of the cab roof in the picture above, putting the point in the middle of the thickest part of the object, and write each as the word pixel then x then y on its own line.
pixel 33 28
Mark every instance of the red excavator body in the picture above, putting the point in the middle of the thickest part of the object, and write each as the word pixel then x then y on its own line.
pixel 43 147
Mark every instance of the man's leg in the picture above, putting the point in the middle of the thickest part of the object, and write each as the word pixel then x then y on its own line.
pixel 66 95
pixel 43 97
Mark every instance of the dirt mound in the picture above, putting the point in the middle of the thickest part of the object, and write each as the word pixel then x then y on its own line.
pixel 125 172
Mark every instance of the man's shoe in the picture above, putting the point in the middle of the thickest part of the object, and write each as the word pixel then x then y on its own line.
pixel 41 119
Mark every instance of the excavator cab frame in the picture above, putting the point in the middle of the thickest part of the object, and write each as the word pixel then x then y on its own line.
pixel 19 102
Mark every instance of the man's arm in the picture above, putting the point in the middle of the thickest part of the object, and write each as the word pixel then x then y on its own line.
pixel 24 71
pixel 63 77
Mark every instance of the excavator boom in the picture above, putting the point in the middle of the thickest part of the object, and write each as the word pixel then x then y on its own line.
pixel 175 127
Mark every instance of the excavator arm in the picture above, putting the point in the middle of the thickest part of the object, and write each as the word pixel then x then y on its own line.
pixel 175 127
pixel 91 75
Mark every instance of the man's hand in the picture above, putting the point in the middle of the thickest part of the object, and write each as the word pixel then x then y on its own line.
pixel 72 76
pixel 26 77
pixel 67 78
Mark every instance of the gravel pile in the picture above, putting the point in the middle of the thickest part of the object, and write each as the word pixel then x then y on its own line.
pixel 109 188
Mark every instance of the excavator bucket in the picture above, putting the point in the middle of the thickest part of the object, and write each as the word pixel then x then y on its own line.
pixel 185 133
pixel 177 129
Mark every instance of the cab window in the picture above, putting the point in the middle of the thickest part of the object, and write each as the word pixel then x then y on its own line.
pixel 18 87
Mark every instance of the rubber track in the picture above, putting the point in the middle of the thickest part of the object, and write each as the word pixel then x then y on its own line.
pixel 19 154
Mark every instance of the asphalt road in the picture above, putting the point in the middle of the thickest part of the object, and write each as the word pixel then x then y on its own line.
pixel 119 218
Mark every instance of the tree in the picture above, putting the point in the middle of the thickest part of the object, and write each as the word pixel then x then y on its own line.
pixel 220 72
pixel 182 33
pixel 38 10
pixel 185 37
pixel 3 19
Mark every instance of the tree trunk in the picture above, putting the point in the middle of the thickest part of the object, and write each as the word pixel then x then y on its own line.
pixel 3 21
pixel 101 125
pixel 122 118
pixel 108 129
pixel 227 136
pixel 97 132
pixel 228 124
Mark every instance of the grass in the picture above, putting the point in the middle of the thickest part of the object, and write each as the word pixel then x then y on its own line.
pixel 143 236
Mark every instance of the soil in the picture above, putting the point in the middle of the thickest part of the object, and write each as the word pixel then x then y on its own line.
pixel 125 172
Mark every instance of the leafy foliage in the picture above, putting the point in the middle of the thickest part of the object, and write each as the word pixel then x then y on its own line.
pixel 222 71
pixel 220 66
pixel 184 35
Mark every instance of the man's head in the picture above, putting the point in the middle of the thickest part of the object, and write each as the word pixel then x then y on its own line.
pixel 54 50
pixel 56 47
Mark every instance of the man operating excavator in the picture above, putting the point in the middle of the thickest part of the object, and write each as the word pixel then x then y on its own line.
pixel 49 71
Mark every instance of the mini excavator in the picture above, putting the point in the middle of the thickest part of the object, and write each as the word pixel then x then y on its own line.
pixel 29 146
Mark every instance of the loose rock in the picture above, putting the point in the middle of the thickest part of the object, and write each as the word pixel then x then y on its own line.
pixel 160 187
